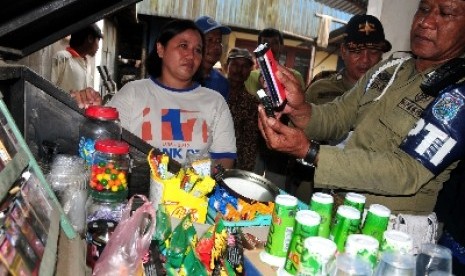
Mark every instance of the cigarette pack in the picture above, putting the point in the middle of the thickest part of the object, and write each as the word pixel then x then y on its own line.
pixel 268 68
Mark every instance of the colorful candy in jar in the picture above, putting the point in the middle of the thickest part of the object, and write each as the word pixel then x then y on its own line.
pixel 109 171
pixel 108 176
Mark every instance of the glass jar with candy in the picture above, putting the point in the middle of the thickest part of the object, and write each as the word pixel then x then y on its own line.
pixel 108 191
pixel 110 167
pixel 101 122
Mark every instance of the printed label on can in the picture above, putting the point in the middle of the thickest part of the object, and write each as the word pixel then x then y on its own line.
pixel 296 247
pixel 281 228
pixel 375 226
pixel 343 226
pixel 325 211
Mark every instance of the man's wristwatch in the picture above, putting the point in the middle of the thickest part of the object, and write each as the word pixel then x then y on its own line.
pixel 313 150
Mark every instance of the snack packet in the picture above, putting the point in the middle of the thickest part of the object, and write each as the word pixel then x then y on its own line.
pixel 183 235
pixel 162 228
pixel 192 266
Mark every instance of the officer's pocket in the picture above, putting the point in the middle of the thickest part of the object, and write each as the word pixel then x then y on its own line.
pixel 399 122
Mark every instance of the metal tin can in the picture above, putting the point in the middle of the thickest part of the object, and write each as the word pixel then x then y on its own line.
pixel 355 200
pixel 346 222
pixel 396 241
pixel 323 204
pixel 318 254
pixel 281 228
pixel 306 225
pixel 364 246
pixel 376 221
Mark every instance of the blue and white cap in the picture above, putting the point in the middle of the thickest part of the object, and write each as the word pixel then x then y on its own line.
pixel 207 24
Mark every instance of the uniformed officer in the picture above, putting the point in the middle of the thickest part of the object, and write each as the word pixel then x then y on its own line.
pixel 385 109
pixel 363 46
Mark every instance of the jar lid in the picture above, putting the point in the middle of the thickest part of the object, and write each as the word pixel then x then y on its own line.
pixel 112 146
pixel 102 112
pixel 109 196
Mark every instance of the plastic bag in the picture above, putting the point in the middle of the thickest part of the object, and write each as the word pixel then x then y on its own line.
pixel 129 242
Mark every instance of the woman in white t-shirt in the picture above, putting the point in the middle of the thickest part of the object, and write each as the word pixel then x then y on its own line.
pixel 170 110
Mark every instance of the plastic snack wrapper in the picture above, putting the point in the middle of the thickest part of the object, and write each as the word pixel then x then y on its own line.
pixel 192 266
pixel 203 187
pixel 181 193
pixel 235 251
pixel 200 163
pixel 205 245
pixel 220 236
pixel 129 243
pixel 162 228
pixel 183 236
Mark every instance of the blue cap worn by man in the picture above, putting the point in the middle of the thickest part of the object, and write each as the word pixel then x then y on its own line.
pixel 213 32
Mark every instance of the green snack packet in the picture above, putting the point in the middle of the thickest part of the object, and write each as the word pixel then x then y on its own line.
pixel 192 265
pixel 182 237
pixel 162 227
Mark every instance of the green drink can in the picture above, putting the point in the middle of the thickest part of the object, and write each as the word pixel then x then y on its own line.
pixel 281 228
pixel 376 221
pixel 346 222
pixel 306 225
pixel 396 241
pixel 364 246
pixel 318 254
pixel 355 200
pixel 323 204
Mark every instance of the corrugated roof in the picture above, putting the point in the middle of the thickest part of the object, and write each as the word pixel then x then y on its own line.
pixel 349 6
pixel 293 17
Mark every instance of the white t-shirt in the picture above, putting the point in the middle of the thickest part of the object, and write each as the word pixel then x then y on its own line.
pixel 71 71
pixel 196 119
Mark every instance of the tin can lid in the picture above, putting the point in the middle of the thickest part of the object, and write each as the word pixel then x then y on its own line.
pixel 102 112
pixel 324 246
pixel 323 198
pixel 112 146
pixel 308 217
pixel 355 197
pixel 379 210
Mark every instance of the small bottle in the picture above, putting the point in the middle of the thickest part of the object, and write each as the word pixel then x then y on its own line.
pixel 101 122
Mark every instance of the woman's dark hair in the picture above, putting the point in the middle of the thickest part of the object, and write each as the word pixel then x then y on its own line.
pixel 154 63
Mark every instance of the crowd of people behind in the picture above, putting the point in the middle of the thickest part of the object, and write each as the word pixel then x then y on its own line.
pixel 357 130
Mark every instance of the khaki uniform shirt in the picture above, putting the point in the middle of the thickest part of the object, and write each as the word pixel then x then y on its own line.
pixel 326 90
pixel 372 162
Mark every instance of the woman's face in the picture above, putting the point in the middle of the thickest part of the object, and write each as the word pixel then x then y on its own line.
pixel 181 57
